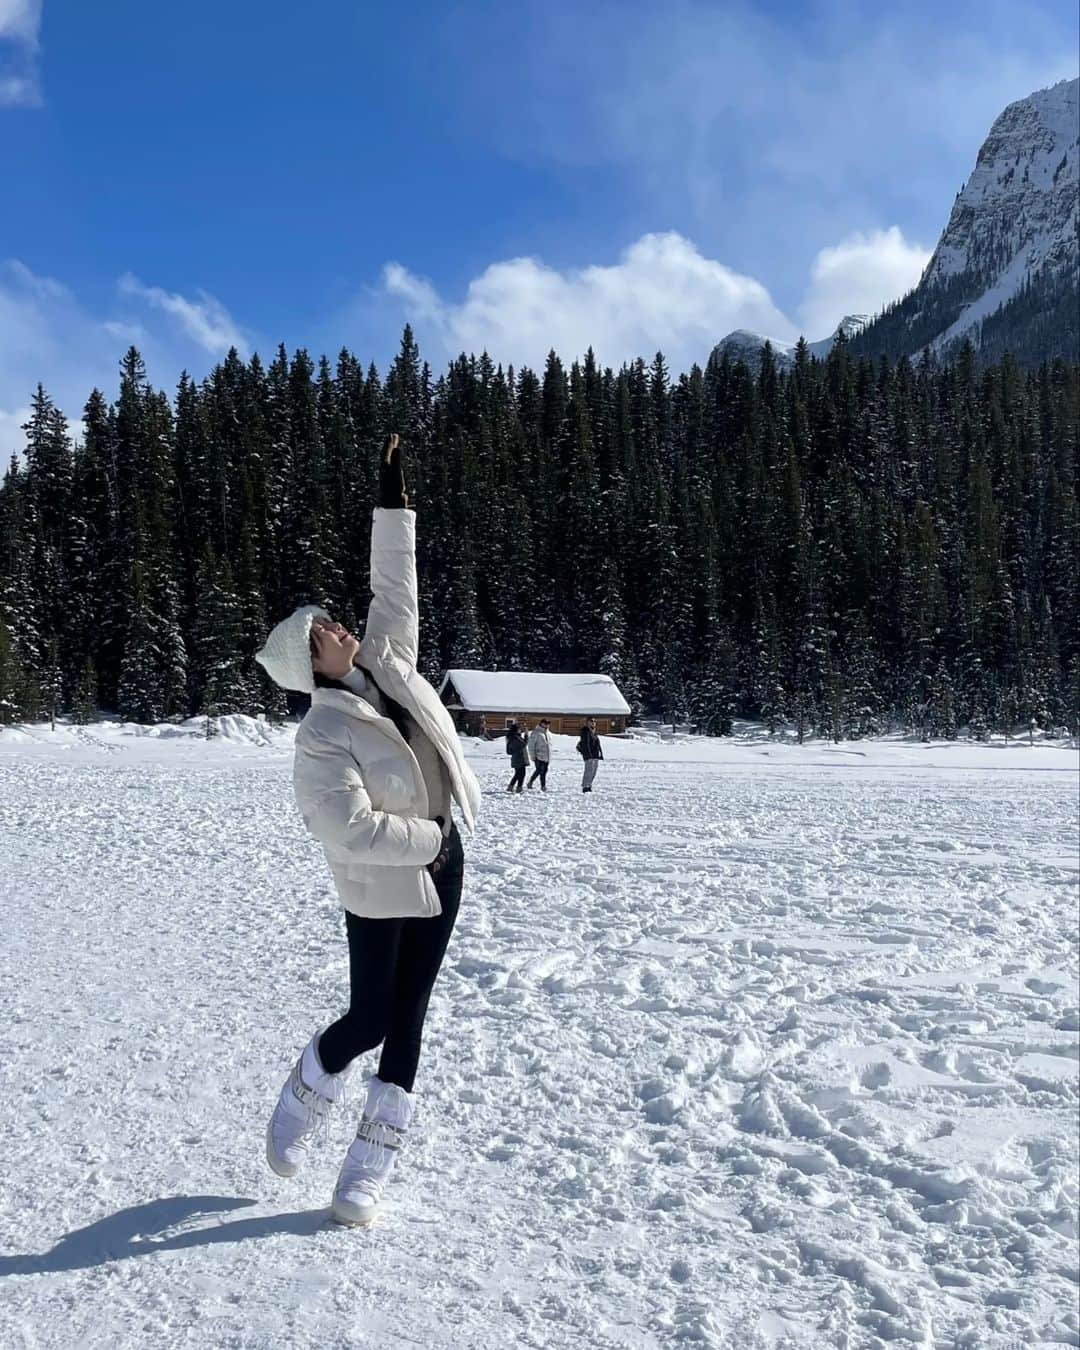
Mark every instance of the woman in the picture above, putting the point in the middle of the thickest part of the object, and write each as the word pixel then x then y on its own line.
pixel 540 749
pixel 378 765
pixel 518 750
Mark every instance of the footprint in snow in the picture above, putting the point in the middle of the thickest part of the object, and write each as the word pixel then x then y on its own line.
pixel 875 1076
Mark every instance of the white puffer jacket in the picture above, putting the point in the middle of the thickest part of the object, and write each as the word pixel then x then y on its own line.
pixel 540 744
pixel 358 784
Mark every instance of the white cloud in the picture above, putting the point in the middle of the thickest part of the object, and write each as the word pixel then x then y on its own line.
pixel 44 335
pixel 204 320
pixel 44 288
pixel 20 23
pixel 418 295
pixel 860 275
pixel 662 294
pixel 48 334
pixel 764 136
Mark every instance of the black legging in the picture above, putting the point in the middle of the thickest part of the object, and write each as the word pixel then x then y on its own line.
pixel 392 968
pixel 518 781
pixel 540 772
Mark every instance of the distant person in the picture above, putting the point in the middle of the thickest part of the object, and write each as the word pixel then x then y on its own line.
pixel 591 751
pixel 518 749
pixel 378 766
pixel 540 749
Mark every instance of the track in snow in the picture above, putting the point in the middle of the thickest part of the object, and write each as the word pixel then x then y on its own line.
pixel 761 1052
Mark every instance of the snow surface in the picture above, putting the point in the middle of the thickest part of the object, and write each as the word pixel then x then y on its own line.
pixel 756 1046
pixel 514 691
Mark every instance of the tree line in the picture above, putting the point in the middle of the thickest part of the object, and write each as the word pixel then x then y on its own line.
pixel 845 546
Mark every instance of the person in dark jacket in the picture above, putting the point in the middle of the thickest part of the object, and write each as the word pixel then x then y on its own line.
pixel 590 750
pixel 517 747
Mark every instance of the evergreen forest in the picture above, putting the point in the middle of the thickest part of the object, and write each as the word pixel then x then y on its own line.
pixel 856 544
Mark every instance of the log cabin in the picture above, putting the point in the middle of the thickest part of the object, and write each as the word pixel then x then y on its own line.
pixel 483 702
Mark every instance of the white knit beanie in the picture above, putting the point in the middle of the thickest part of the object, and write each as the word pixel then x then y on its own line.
pixel 286 655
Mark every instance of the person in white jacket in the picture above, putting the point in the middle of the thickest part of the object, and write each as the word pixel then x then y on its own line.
pixel 540 749
pixel 377 772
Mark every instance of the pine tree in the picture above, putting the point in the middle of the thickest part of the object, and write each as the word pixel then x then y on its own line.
pixel 812 662
pixel 152 683
pixel 843 543
pixel 764 680
pixel 219 680
pixel 713 697
pixel 941 711
pixel 18 585
pixel 84 706
pixel 49 681
pixel 47 490
pixel 12 679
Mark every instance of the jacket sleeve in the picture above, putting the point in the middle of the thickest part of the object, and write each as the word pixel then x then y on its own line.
pixel 337 810
pixel 394 612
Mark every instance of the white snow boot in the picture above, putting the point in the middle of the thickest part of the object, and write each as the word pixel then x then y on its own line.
pixel 372 1154
pixel 303 1106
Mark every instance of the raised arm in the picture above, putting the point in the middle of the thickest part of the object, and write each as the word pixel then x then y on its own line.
pixel 394 612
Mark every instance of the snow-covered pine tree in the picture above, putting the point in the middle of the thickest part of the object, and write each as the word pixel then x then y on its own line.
pixel 47 488
pixel 939 501
pixel 219 672
pixel 50 681
pixel 713 698
pixel 765 668
pixel 611 630
pixel 84 701
pixel 13 705
pixel 941 708
pixel 18 587
pixel 140 693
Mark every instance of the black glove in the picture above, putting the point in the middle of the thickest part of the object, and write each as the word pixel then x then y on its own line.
pixel 439 861
pixel 392 495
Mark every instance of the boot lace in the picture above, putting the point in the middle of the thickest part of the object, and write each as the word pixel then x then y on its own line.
pixel 371 1157
pixel 316 1106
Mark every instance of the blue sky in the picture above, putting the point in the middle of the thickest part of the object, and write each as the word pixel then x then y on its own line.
pixel 512 176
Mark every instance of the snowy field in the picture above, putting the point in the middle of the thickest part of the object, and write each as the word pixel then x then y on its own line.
pixel 757 1046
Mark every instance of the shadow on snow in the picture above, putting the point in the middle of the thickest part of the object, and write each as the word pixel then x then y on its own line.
pixel 142 1229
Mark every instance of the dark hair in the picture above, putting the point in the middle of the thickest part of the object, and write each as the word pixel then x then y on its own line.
pixel 394 710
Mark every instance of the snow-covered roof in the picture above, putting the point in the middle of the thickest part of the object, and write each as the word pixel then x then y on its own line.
pixel 513 691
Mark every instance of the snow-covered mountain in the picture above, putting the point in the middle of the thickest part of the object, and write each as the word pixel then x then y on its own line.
pixel 744 344
pixel 1005 271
